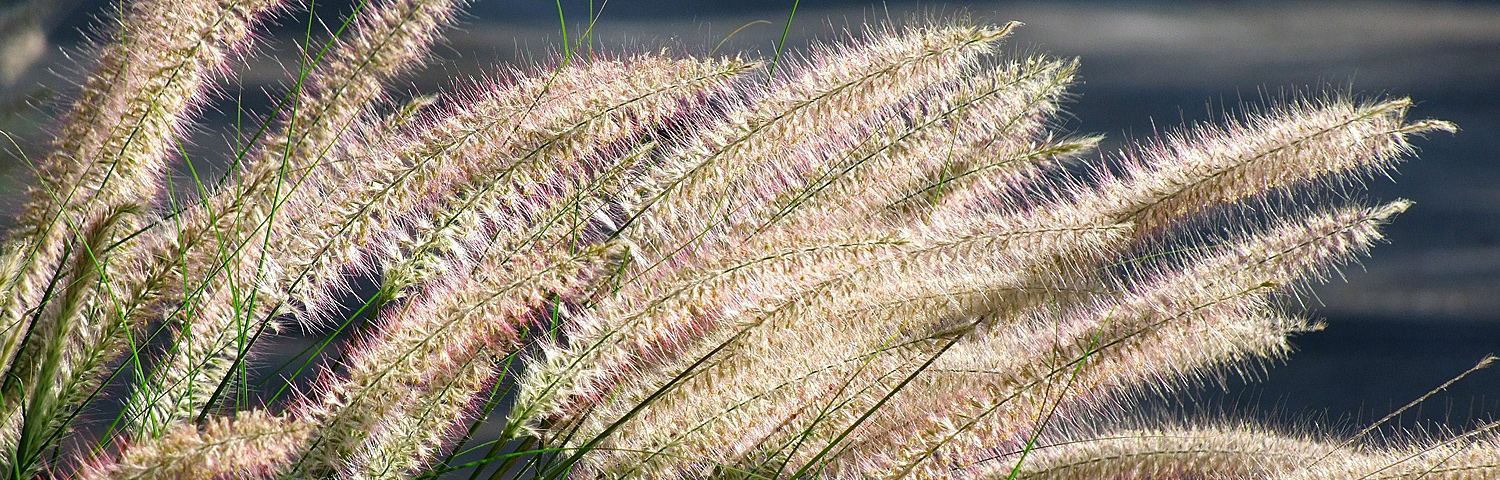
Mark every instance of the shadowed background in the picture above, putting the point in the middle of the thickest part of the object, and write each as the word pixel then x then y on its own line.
pixel 1420 310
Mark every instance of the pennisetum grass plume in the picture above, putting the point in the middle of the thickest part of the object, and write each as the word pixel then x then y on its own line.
pixel 386 39
pixel 880 261
pixel 106 164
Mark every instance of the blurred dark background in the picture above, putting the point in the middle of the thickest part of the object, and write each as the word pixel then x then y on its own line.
pixel 1422 309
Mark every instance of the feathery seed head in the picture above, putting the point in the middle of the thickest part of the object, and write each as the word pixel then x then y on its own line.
pixel 251 444
pixel 873 264
pixel 1296 143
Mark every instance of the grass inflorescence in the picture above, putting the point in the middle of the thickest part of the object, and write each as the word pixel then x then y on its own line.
pixel 880 260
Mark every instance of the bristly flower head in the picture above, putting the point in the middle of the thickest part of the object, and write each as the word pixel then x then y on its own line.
pixel 879 262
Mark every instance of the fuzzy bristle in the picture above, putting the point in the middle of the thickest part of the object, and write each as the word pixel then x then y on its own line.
pixel 883 259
